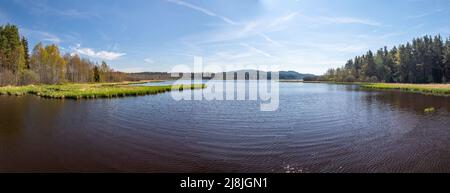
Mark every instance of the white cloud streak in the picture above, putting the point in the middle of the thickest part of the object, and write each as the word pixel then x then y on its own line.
pixel 104 55
pixel 349 20
pixel 37 7
pixel 42 36
pixel 252 48
pixel 202 10
pixel 425 14
pixel 149 60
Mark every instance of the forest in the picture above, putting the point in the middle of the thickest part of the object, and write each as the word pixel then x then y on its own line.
pixel 46 64
pixel 424 60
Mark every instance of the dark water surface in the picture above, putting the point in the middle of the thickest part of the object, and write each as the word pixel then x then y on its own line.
pixel 318 128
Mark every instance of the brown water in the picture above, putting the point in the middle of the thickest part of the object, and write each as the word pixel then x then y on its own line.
pixel 318 128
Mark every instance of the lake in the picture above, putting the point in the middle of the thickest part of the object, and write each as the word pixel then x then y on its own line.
pixel 317 128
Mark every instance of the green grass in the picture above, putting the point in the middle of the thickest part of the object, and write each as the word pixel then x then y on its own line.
pixel 429 89
pixel 430 110
pixel 333 82
pixel 92 91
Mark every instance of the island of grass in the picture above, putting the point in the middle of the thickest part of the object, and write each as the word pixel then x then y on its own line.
pixel 429 89
pixel 92 91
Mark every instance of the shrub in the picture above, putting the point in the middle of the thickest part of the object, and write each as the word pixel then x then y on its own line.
pixel 7 77
pixel 372 79
pixel 349 78
pixel 29 77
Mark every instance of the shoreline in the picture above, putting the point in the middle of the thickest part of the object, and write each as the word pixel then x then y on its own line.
pixel 425 89
pixel 94 90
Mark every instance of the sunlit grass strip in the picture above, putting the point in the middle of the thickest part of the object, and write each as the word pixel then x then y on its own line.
pixel 92 91
pixel 430 89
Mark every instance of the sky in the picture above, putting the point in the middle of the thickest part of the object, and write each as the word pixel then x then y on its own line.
pixel 307 36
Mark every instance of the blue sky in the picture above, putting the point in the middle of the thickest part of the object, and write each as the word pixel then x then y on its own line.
pixel 308 36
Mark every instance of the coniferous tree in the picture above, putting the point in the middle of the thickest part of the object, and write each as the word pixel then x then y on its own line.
pixel 446 61
pixel 26 52
pixel 46 63
pixel 424 60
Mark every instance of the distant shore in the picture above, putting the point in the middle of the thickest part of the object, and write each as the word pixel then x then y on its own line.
pixel 427 89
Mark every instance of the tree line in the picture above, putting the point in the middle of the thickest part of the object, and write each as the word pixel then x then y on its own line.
pixel 46 64
pixel 424 60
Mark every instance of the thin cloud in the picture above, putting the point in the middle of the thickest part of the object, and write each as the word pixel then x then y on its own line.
pixel 42 36
pixel 37 7
pixel 249 28
pixel 283 19
pixel 350 20
pixel 257 50
pixel 425 14
pixel 104 55
pixel 202 10
pixel 268 39
pixel 149 60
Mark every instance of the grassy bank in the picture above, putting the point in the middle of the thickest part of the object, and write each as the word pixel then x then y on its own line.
pixel 91 91
pixel 332 82
pixel 430 89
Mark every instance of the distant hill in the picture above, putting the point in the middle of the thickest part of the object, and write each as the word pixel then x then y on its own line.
pixel 293 75
pixel 283 75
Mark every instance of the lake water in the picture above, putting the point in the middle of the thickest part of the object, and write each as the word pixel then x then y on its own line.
pixel 317 128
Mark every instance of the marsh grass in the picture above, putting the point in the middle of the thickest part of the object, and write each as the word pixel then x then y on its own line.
pixel 429 89
pixel 430 110
pixel 92 91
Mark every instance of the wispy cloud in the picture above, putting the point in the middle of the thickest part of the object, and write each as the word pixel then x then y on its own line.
pixel 252 48
pixel 104 55
pixel 202 10
pixel 244 30
pixel 39 7
pixel 247 29
pixel 425 14
pixel 149 60
pixel 283 19
pixel 349 20
pixel 42 36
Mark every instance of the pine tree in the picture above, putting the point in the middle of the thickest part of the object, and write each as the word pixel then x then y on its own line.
pixel 370 70
pixel 26 52
pixel 446 61
pixel 96 74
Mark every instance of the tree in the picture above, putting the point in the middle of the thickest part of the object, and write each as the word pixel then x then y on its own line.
pixel 105 72
pixel 446 61
pixel 96 71
pixel 369 66
pixel 424 60
pixel 12 56
pixel 26 52
pixel 46 63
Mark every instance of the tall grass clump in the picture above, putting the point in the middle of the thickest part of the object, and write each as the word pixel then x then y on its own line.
pixel 430 89
pixel 91 91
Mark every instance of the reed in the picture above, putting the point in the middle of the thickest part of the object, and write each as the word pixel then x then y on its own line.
pixel 429 89
pixel 92 91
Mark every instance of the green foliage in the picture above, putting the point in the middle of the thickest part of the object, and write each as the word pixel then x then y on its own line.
pixel 90 91
pixel 29 77
pixel 432 89
pixel 26 52
pixel 425 60
pixel 46 63
pixel 96 74
pixel 430 110
pixel 12 55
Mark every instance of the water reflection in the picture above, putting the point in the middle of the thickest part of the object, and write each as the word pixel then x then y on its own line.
pixel 318 128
